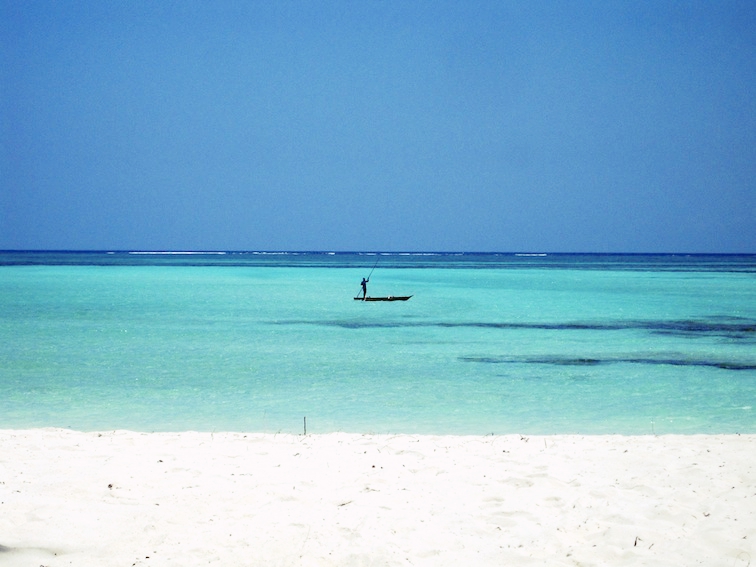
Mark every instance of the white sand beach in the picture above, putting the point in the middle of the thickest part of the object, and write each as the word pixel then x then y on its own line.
pixel 134 499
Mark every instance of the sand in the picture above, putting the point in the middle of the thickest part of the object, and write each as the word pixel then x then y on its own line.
pixel 126 499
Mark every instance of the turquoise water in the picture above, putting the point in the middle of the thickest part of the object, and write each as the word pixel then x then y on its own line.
pixel 487 344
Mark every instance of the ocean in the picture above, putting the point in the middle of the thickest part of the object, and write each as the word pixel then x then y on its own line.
pixel 275 342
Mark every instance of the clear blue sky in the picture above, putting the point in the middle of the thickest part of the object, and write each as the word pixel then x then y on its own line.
pixel 597 126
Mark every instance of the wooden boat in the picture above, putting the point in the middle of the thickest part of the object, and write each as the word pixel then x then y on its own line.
pixel 388 298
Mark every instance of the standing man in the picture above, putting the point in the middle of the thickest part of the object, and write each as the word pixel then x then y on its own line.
pixel 364 287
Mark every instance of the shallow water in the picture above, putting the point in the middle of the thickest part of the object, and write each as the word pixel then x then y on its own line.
pixel 487 344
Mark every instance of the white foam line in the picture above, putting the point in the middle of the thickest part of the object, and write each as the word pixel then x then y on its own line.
pixel 175 253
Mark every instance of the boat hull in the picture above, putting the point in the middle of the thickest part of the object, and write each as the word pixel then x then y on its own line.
pixel 388 298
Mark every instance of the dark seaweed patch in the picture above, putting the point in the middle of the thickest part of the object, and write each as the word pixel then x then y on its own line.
pixel 726 327
pixel 570 361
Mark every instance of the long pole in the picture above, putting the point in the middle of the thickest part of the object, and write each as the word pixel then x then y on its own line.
pixel 374 265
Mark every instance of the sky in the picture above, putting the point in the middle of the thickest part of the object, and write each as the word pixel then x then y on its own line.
pixel 533 126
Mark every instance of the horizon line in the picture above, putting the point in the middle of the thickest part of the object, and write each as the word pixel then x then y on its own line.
pixel 525 253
